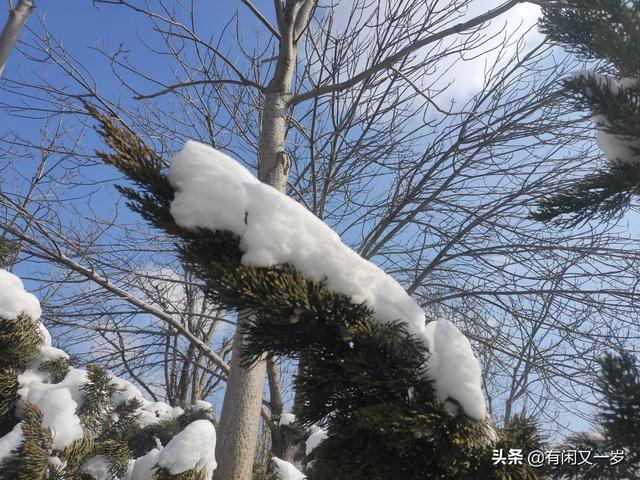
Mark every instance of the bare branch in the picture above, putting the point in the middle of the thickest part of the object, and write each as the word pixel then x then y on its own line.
pixel 262 18
pixel 403 53
pixel 178 86
pixel 127 296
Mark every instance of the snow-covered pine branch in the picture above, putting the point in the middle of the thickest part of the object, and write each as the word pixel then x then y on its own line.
pixel 397 396
pixel 61 422
pixel 607 34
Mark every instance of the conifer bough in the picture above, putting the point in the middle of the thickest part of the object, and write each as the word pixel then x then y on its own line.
pixel 395 403
pixel 607 32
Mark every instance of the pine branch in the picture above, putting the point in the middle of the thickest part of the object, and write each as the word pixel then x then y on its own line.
pixel 597 30
pixel 618 106
pixel 365 380
pixel 620 383
pixel 605 194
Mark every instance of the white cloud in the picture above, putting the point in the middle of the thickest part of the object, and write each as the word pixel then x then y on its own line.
pixel 467 76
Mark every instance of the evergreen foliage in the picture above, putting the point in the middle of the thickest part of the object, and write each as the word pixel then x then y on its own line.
pixel 111 429
pixel 585 471
pixel 620 418
pixel 31 460
pixel 362 380
pixel 619 422
pixel 607 32
pixel 522 432
pixel 57 368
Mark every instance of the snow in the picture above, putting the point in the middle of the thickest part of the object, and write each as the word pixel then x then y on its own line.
pixel 279 230
pixel 317 436
pixel 14 300
pixel 150 412
pixel 214 191
pixel 57 462
pixel 56 403
pixel 144 467
pixel 46 336
pixel 618 150
pixel 287 419
pixel 202 405
pixel 194 447
pixel 455 369
pixel 127 391
pixel 286 471
pixel 11 441
pixel 97 467
pixel 154 412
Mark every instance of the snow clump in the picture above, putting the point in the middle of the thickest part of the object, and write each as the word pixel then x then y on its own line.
pixel 214 191
pixel 286 470
pixel 14 299
pixel 192 448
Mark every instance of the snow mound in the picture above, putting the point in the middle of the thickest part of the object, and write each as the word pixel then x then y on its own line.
pixel 202 405
pixel 317 436
pixel 144 467
pixel 287 419
pixel 286 471
pixel 14 300
pixel 455 369
pixel 194 447
pixel 279 230
pixel 214 191
pixel 11 441
pixel 97 467
pixel 150 412
pixel 58 402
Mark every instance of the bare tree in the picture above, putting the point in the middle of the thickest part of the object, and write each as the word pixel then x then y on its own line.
pixel 352 110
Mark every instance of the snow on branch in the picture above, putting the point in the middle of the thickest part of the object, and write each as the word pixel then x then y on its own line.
pixel 215 192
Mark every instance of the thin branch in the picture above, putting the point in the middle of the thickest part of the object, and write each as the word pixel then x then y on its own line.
pixel 435 105
pixel 177 86
pixel 262 18
pixel 403 53
pixel 89 274
pixel 277 4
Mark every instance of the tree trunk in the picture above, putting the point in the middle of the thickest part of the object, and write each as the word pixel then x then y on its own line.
pixel 9 36
pixel 240 414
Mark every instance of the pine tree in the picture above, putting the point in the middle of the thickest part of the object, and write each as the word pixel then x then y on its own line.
pixel 364 381
pixel 605 32
pixel 620 417
pixel 58 422
pixel 619 425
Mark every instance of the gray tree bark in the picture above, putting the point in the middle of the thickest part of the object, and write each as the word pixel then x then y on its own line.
pixel 240 414
pixel 9 36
